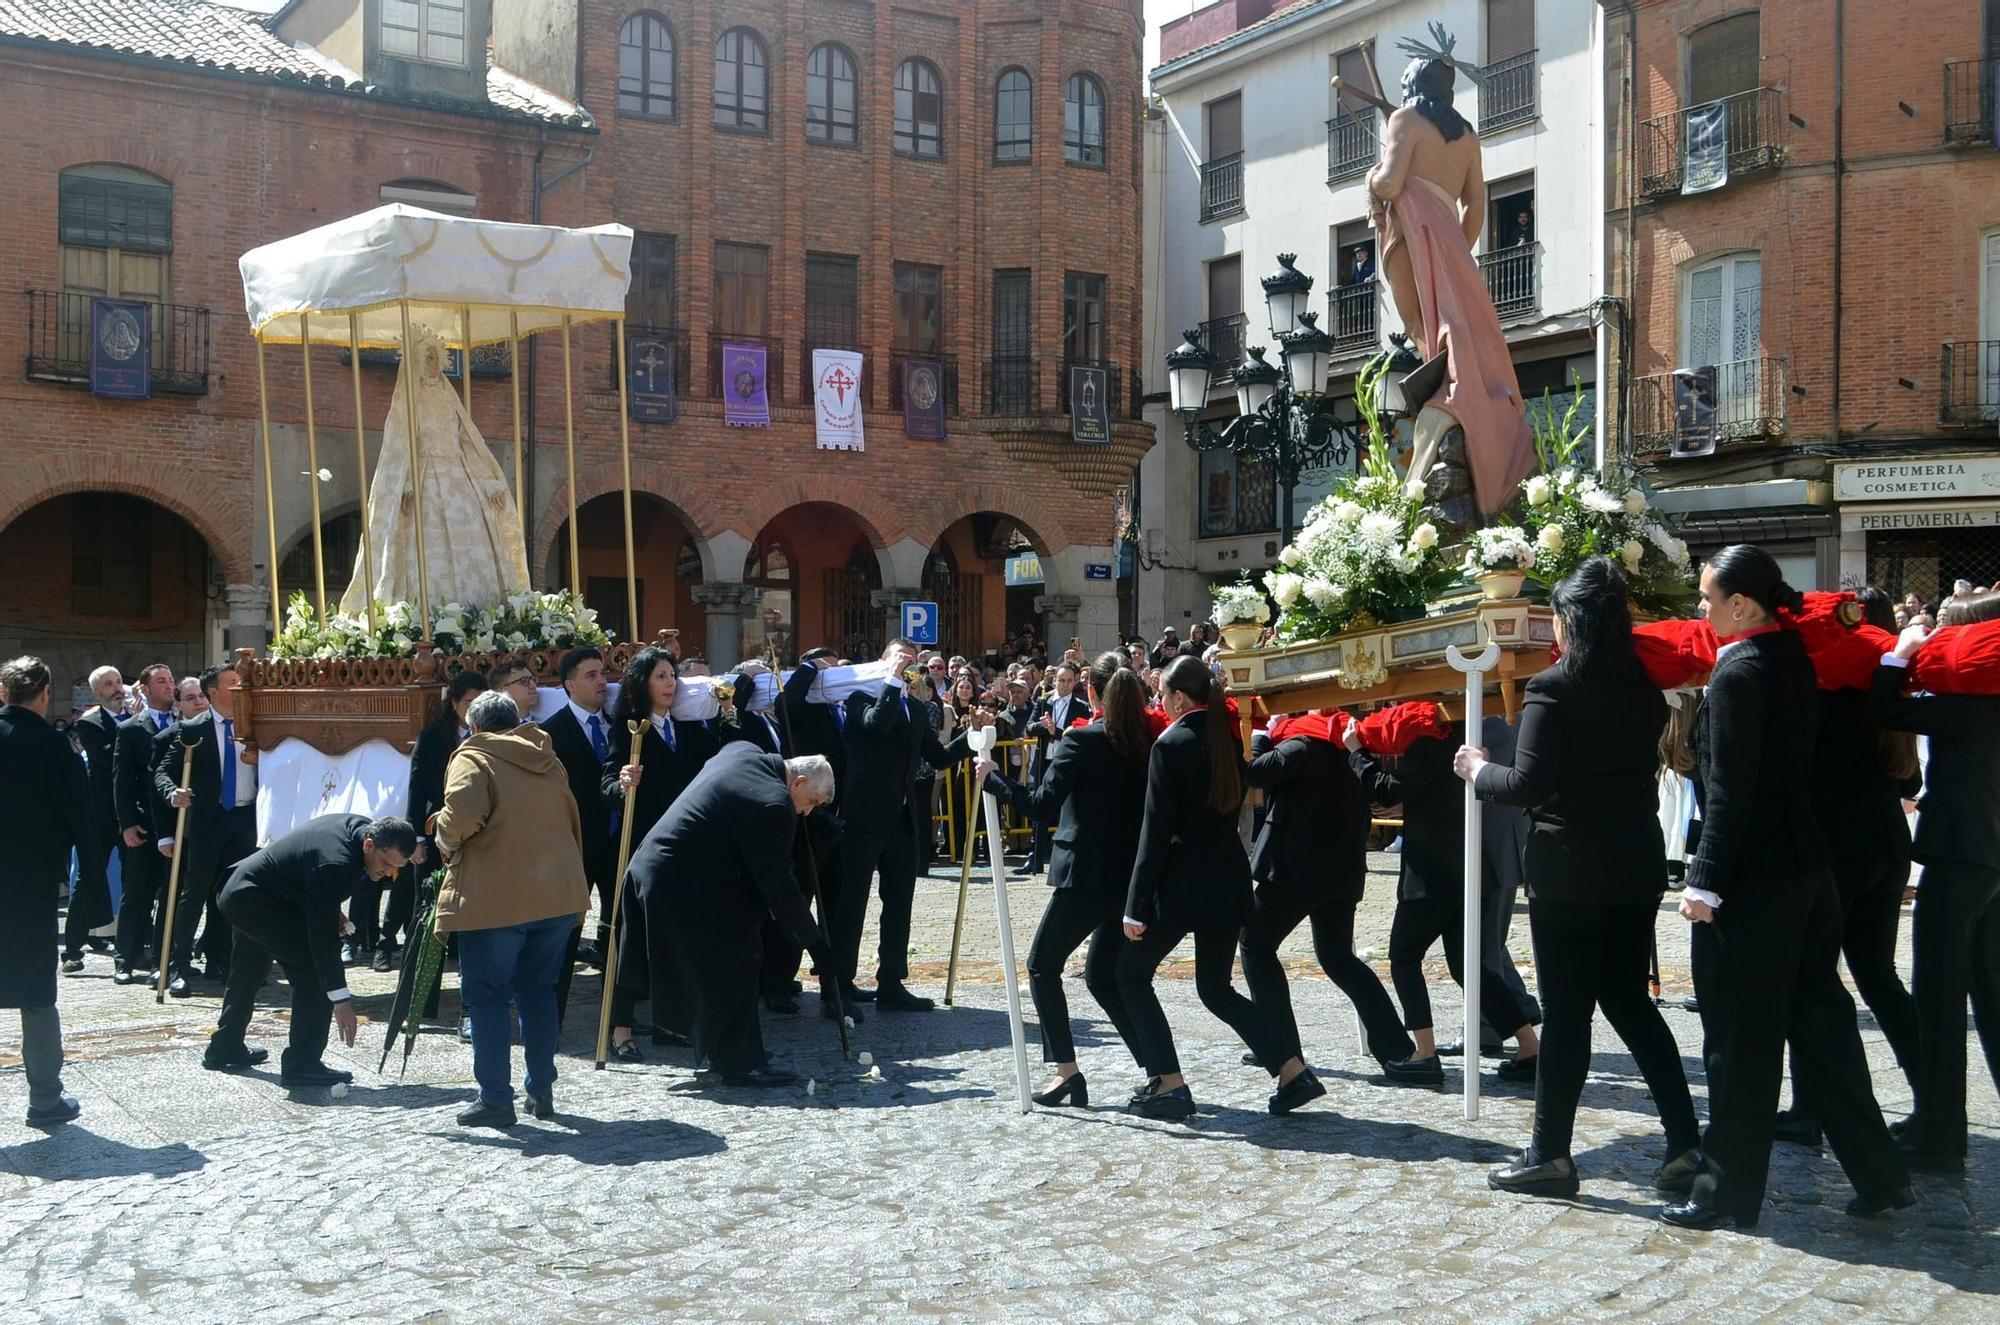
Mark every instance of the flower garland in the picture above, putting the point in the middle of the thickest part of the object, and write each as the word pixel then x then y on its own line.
pixel 525 621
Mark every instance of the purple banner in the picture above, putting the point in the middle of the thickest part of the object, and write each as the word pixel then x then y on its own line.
pixel 121 348
pixel 745 401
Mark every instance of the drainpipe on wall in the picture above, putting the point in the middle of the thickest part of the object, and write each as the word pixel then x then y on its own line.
pixel 1839 197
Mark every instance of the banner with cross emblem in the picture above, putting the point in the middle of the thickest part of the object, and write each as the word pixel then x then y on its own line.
pixel 837 399
pixel 651 390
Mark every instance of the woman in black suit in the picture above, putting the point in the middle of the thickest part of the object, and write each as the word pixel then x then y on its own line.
pixel 1956 929
pixel 672 753
pixel 440 736
pixel 1096 782
pixel 1586 769
pixel 1766 941
pixel 1191 877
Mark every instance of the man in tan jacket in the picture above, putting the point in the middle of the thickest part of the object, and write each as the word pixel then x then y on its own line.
pixel 513 891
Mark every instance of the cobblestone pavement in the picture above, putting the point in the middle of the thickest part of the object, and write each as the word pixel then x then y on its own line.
pixel 186 1196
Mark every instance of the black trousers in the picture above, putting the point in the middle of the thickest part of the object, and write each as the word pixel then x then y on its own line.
pixel 1422 921
pixel 264 931
pixel 1073 915
pixel 720 971
pixel 1590 957
pixel 77 912
pixel 655 969
pixel 1277 912
pixel 1214 963
pixel 892 857
pixel 1871 897
pixel 233 836
pixel 140 913
pixel 1766 971
pixel 1957 942
pixel 1497 915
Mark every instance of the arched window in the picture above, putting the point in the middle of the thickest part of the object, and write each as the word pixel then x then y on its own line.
pixel 831 96
pixel 115 226
pixel 742 81
pixel 646 67
pixel 919 110
pixel 1013 116
pixel 768 569
pixel 1083 121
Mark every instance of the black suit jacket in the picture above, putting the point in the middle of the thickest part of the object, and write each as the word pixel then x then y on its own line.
pixel 97 732
pixel 1314 841
pixel 133 790
pixel 1098 803
pixel 44 813
pixel 885 748
pixel 1959 819
pixel 1860 806
pixel 1432 862
pixel 814 728
pixel 313 870
pixel 203 841
pixel 1191 872
pixel 1586 768
pixel 428 761
pixel 664 774
pixel 1064 711
pixel 586 783
pixel 764 730
pixel 1758 827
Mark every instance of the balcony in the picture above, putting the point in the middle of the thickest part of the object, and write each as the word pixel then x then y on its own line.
pixel 59 343
pixel 1113 384
pixel 1514 280
pixel 1753 127
pixel 1968 102
pixel 1013 385
pixel 1351 144
pixel 869 369
pixel 1225 337
pixel 1509 97
pixel 774 363
pixel 1673 417
pixel 1222 187
pixel 947 369
pixel 1969 384
pixel 1350 316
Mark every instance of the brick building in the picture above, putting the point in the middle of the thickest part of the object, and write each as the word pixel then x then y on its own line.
pixel 1812 255
pixel 935 180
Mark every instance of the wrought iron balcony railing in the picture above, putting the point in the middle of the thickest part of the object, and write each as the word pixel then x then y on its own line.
pixel 1513 280
pixel 1350 316
pixel 1693 412
pixel 59 342
pixel 1225 337
pixel 1753 140
pixel 1969 383
pixel 1222 186
pixel 1968 101
pixel 1509 97
pixel 1351 144
pixel 1013 385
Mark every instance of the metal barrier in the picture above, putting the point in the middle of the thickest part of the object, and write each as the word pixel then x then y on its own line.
pixel 960 792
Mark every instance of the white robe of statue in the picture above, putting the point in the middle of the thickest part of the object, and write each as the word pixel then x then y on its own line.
pixel 473 549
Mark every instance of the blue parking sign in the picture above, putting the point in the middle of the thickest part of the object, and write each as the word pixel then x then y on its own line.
pixel 920 622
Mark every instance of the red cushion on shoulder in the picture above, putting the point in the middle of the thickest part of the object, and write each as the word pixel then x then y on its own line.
pixel 1675 652
pixel 1844 649
pixel 1393 730
pixel 1319 725
pixel 1960 660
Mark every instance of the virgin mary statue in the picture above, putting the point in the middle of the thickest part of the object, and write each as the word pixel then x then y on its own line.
pixel 473 548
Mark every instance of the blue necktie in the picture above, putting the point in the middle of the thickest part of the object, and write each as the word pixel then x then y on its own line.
pixel 908 712
pixel 160 721
pixel 840 717
pixel 598 741
pixel 228 764
pixel 667 734
pixel 117 718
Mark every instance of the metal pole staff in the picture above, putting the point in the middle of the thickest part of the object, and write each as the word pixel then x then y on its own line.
pixel 409 376
pixel 465 354
pixel 635 728
pixel 174 871
pixel 625 462
pixel 514 385
pixel 312 464
pixel 569 442
pixel 1471 963
pixel 361 468
pixel 981 740
pixel 270 498
pixel 964 873
pixel 829 980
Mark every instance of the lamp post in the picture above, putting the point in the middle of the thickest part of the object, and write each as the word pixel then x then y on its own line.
pixel 1283 414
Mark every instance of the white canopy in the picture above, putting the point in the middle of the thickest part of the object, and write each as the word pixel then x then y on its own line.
pixel 444 266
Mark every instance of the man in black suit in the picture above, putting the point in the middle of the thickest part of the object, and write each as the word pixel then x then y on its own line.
pixel 44 814
pixel 887 739
pixel 135 800
pixel 221 801
pixel 710 870
pixel 580 731
pixel 1047 721
pixel 97 732
pixel 284 904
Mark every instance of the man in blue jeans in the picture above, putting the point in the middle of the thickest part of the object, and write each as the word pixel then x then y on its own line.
pixel 514 890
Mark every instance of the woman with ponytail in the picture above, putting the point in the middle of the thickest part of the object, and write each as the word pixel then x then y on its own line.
pixel 1191 877
pixel 1096 784
pixel 1767 915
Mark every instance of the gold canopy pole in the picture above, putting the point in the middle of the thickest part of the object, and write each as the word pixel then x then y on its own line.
pixel 465 354
pixel 270 496
pixel 361 467
pixel 409 377
pixel 312 464
pixel 569 440
pixel 514 384
pixel 625 461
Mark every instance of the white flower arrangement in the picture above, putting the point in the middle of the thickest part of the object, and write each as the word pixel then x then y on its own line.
pixel 525 621
pixel 1241 603
pixel 1502 548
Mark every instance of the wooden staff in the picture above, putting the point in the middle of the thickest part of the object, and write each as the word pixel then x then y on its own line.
pixel 964 876
pixel 174 870
pixel 635 728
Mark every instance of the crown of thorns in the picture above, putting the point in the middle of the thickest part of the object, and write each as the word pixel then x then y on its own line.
pixel 1446 43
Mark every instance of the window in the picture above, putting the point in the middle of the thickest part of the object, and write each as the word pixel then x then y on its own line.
pixel 115 226
pixel 1083 121
pixel 919 110
pixel 1012 389
pixel 833 319
pixel 742 81
pixel 646 67
pixel 1725 311
pixel 919 308
pixel 1239 495
pixel 1222 168
pixel 742 286
pixel 1013 117
pixel 1083 318
pixel 1510 29
pixel 831 89
pixel 1510 213
pixel 429 30
pixel 651 302
pixel 1722 58
pixel 1226 323
pixel 1225 126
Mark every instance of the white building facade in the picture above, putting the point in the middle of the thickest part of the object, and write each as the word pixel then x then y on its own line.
pixel 1250 154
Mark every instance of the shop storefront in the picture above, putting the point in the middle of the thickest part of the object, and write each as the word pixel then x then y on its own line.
pixel 1915 525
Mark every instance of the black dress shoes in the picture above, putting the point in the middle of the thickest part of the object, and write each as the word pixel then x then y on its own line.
pixel 782 1004
pixel 1695 1215
pixel 1676 1176
pixel 64 1110
pixel 384 959
pixel 1799 1128
pixel 235 1060
pixel 1072 1089
pixel 1414 1072
pixel 1928 1161
pixel 1527 1176
pixel 1518 1070
pixel 314 1074
pixel 1456 1049
pixel 1299 1090
pixel 127 975
pixel 481 1114
pixel 1151 1084
pixel 73 965
pixel 1862 1207
pixel 852 994
pixel 542 1106
pixel 347 954
pixel 1171 1106
pixel 768 1076
pixel 179 986
pixel 892 997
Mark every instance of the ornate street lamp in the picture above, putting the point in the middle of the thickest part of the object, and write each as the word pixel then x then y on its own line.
pixel 1286 293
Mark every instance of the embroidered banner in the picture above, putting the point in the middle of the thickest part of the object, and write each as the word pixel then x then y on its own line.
pixel 745 401
pixel 923 399
pixel 296 783
pixel 1705 156
pixel 651 389
pixel 121 342
pixel 1695 431
pixel 1089 406
pixel 837 399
